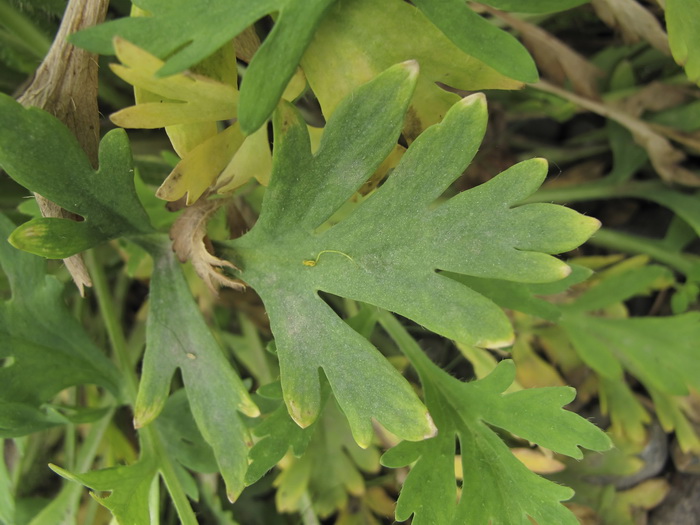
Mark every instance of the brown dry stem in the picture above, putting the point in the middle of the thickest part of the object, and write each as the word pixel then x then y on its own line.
pixel 65 85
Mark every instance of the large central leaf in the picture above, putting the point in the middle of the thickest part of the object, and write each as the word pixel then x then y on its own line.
pixel 389 250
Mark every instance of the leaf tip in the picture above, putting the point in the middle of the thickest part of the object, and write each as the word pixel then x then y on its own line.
pixel 503 342
pixel 473 99
pixel 301 417
pixel 433 430
pixel 249 408
pixel 143 417
pixel 232 496
pixel 541 163
pixel 412 67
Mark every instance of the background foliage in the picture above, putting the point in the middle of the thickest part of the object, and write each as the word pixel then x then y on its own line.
pixel 342 287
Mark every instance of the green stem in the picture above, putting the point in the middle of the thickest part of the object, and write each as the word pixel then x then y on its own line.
pixel 172 482
pixel 24 29
pixel 624 242
pixel 406 343
pixel 113 327
pixel 150 435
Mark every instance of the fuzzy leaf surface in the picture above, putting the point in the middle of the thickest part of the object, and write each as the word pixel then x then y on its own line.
pixel 42 155
pixel 186 33
pixel 43 347
pixel 178 337
pixel 497 488
pixel 357 40
pixel 387 251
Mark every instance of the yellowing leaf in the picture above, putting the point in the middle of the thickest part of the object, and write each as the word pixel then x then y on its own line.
pixel 200 167
pixel 358 40
pixel 532 370
pixel 182 98
pixel 252 160
pixel 537 462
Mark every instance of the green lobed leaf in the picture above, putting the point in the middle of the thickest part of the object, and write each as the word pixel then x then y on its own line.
pixel 279 433
pixel 129 488
pixel 186 33
pixel 387 252
pixel 620 287
pixel 497 488
pixel 683 24
pixel 661 352
pixel 42 155
pixel 329 471
pixel 480 38
pixel 178 337
pixel 42 346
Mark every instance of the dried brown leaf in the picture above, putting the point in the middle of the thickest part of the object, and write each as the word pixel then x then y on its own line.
pixel 556 61
pixel 189 243
pixel 246 44
pixel 655 96
pixel 633 21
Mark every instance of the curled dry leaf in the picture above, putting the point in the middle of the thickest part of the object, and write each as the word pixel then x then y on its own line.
pixel 557 61
pixel 633 21
pixel 188 234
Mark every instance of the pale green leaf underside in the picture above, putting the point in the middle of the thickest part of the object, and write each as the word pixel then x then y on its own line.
pixel 497 488
pixel 41 154
pixel 188 32
pixel 387 252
